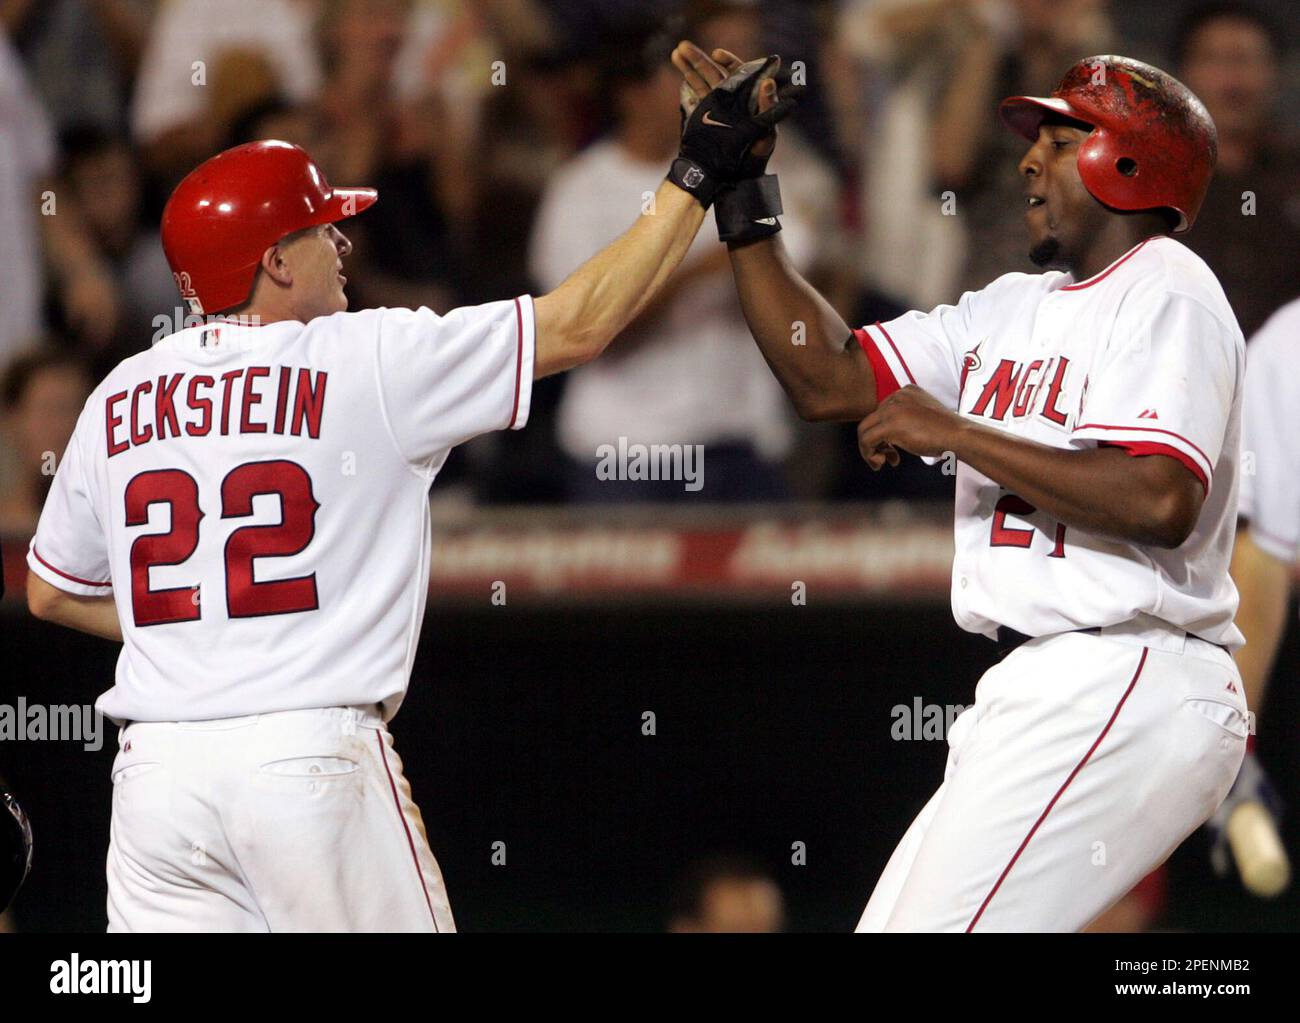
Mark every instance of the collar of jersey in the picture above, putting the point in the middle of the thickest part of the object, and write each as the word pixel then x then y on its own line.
pixel 1098 277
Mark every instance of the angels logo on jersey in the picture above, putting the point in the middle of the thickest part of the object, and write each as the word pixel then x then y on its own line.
pixel 970 363
pixel 1021 389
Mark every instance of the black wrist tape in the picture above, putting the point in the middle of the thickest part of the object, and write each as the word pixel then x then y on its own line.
pixel 747 211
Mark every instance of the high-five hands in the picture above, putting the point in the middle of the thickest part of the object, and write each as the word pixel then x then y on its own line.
pixel 730 110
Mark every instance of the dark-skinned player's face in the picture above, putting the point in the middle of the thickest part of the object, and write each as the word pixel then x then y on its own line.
pixel 1062 216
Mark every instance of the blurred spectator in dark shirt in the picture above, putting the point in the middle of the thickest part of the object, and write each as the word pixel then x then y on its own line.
pixel 277 118
pixel 1229 54
pixel 726 895
pixel 41 395
pixel 973 154
pixel 405 246
pixel 98 232
pixel 101 39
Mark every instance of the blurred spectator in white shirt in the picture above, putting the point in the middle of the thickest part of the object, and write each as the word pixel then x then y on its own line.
pixel 900 50
pixel 26 157
pixel 206 61
pixel 686 371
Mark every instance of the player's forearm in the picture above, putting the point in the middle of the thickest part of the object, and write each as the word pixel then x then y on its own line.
pixel 1264 584
pixel 645 328
pixel 1150 500
pixel 808 346
pixel 578 320
pixel 95 615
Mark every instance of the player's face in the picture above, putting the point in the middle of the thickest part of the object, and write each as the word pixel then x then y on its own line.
pixel 1061 215
pixel 315 259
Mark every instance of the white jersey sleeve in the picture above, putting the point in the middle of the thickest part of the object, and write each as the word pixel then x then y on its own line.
pixel 1165 384
pixel 1270 480
pixel 70 548
pixel 445 379
pixel 925 349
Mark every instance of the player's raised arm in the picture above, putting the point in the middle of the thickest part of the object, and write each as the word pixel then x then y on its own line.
pixel 809 348
pixel 578 320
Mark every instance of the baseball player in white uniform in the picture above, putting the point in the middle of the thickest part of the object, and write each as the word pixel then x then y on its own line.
pixel 1264 559
pixel 1093 412
pixel 245 507
pixel 1268 540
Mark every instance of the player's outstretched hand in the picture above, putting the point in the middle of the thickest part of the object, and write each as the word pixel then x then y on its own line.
pixel 729 120
pixel 911 419
pixel 702 73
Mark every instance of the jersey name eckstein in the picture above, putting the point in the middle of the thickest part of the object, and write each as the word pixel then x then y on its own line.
pixel 252 399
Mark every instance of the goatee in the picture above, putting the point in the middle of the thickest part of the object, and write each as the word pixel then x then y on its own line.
pixel 1047 254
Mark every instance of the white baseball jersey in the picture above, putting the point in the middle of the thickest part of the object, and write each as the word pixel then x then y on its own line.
pixel 256 501
pixel 1270 486
pixel 1146 355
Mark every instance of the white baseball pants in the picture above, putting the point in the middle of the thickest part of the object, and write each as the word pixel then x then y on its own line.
pixel 294 821
pixel 1083 763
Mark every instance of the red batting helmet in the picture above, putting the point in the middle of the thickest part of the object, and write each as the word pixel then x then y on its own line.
pixel 1153 143
pixel 230 209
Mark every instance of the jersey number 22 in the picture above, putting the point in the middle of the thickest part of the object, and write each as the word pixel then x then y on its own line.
pixel 245 597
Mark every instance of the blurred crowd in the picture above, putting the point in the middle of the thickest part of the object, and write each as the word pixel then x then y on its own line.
pixel 510 139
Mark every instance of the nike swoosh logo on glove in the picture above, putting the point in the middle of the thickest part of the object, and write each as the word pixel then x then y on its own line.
pixel 708 119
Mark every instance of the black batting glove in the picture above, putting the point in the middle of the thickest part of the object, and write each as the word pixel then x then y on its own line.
pixel 719 134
